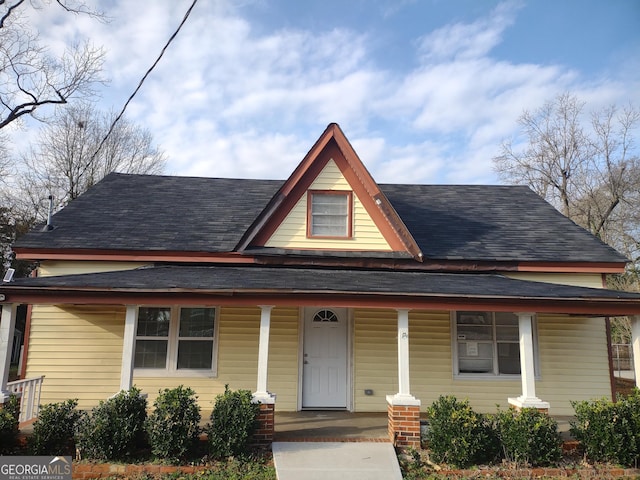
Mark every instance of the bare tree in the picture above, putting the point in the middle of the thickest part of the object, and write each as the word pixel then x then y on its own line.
pixel 68 159
pixel 5 160
pixel 614 177
pixel 13 223
pixel 30 75
pixel 553 162
pixel 588 167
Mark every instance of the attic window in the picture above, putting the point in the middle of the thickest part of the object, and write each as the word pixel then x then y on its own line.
pixel 329 214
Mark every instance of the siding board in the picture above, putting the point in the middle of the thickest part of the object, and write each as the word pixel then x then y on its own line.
pixel 51 267
pixel 79 350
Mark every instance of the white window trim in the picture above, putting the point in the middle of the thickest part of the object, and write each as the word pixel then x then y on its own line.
pixel 171 369
pixel 491 376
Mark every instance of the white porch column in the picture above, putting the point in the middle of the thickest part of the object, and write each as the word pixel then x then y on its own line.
pixel 635 345
pixel 128 347
pixel 262 395
pixel 7 328
pixel 403 397
pixel 528 398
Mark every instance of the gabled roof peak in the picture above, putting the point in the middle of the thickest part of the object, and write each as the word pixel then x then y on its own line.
pixel 333 145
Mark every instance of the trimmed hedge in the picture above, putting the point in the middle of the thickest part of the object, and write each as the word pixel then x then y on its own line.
pixel 528 437
pixel 459 436
pixel 9 422
pixel 115 428
pixel 609 432
pixel 54 429
pixel 173 427
pixel 234 420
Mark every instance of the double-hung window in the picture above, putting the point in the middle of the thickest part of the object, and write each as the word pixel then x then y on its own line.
pixel 178 339
pixel 329 214
pixel 486 343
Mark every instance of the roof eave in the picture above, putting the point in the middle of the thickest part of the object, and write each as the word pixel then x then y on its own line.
pixel 595 306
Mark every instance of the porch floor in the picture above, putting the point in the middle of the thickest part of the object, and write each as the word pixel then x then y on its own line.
pixel 330 426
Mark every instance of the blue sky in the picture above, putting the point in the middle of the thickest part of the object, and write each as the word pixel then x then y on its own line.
pixel 426 90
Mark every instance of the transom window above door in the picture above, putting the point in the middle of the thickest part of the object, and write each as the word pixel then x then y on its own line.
pixel 325 316
pixel 329 213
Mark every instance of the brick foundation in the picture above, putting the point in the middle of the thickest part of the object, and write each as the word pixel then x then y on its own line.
pixel 264 435
pixel 404 426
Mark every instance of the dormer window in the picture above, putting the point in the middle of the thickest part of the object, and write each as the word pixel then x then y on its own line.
pixel 329 214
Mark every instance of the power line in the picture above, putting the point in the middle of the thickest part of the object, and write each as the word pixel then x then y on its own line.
pixel 124 108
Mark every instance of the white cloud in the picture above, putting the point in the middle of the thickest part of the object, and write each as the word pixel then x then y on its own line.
pixel 468 40
pixel 231 99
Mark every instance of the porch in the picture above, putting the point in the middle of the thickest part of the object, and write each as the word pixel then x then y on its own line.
pixel 330 426
pixel 341 426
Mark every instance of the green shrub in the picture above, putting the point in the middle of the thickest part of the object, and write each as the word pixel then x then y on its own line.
pixel 115 428
pixel 9 421
pixel 173 427
pixel 459 436
pixel 54 429
pixel 528 436
pixel 609 432
pixel 234 420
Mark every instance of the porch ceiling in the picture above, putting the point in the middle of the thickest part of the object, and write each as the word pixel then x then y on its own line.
pixel 300 286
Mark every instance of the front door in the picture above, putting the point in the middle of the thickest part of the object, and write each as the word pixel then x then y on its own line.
pixel 324 371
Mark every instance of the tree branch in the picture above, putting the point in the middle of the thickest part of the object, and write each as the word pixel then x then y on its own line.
pixel 9 12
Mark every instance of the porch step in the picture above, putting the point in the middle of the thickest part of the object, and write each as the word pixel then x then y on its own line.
pixel 335 461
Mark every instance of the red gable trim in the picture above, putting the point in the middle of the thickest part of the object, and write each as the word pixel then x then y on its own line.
pixel 333 144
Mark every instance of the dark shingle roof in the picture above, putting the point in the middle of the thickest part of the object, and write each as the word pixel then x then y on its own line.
pixel 230 279
pixel 162 213
pixel 495 222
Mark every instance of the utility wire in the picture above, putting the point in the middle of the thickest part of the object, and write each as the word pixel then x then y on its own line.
pixel 113 124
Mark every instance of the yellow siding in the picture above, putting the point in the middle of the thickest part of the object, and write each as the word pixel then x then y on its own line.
pixel 239 332
pixel 375 358
pixel 50 268
pixel 283 357
pixel 79 350
pixel 593 280
pixel 573 362
pixel 292 232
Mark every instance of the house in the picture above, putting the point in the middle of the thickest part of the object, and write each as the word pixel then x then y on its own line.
pixel 322 291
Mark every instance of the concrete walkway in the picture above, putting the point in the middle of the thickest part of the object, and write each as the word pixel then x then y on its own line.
pixel 335 461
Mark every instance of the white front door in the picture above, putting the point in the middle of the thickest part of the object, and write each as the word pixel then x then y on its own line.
pixel 324 372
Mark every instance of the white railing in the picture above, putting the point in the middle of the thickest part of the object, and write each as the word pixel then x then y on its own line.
pixel 29 390
pixel 622 354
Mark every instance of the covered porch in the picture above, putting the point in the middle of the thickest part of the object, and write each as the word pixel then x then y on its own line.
pixel 427 299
